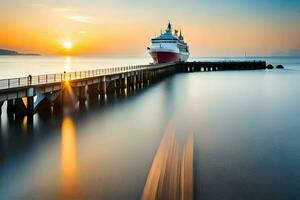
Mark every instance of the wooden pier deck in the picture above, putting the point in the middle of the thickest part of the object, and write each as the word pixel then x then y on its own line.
pixel 27 94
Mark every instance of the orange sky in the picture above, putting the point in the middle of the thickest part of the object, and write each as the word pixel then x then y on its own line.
pixel 113 29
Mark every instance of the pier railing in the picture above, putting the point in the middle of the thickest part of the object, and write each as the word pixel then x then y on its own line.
pixel 60 77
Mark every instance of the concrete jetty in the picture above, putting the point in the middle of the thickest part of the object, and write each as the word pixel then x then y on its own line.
pixel 28 95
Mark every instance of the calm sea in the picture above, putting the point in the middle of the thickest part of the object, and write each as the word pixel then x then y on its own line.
pixel 242 129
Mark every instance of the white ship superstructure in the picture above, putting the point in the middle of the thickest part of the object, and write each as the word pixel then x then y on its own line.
pixel 169 47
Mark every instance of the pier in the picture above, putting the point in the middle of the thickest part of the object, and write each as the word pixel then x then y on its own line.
pixel 28 95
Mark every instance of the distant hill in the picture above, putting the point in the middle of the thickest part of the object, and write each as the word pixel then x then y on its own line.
pixel 15 53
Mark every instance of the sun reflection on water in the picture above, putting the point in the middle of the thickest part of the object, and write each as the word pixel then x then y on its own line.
pixel 24 124
pixel 68 64
pixel 69 168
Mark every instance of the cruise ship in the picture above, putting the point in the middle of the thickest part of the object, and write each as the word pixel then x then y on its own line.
pixel 169 47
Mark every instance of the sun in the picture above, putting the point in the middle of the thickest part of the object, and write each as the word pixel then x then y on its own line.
pixel 68 44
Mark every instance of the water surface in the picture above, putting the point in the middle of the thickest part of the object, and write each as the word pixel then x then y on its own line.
pixel 245 134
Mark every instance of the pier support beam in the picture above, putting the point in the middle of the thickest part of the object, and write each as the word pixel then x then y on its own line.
pixel 81 94
pixel 139 80
pixel 57 103
pixel 114 85
pixel 142 79
pixel 155 77
pixel 20 107
pixel 146 78
pixel 111 87
pixel 1 104
pixel 123 83
pixel 129 81
pixel 150 76
pixel 93 91
pixel 118 84
pixel 43 106
pixel 102 90
pixel 30 106
pixel 10 106
pixel 134 80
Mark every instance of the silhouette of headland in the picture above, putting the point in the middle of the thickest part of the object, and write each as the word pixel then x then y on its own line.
pixel 7 52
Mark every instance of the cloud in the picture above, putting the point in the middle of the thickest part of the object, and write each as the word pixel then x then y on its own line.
pixel 61 10
pixel 82 32
pixel 79 18
pixel 37 5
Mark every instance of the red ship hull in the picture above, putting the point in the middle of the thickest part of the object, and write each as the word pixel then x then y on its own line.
pixel 164 57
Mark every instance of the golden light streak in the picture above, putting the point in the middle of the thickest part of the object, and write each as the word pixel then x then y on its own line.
pixel 153 184
pixel 24 124
pixel 187 169
pixel 171 173
pixel 69 185
pixel 24 99
pixel 69 98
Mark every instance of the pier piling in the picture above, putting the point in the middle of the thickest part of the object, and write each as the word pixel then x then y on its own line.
pixel 81 94
pixel 30 105
pixel 102 90
pixel 1 104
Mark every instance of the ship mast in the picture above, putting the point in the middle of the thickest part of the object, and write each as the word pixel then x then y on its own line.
pixel 169 29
